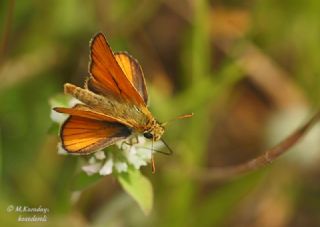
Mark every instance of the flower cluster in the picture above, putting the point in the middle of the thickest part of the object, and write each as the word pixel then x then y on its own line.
pixel 134 151
pixel 105 162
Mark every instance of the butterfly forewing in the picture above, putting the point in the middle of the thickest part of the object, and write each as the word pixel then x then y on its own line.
pixel 86 112
pixel 107 76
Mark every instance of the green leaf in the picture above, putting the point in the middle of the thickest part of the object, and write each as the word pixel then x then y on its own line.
pixel 138 187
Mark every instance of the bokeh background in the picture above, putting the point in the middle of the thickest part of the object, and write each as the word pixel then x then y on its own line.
pixel 249 70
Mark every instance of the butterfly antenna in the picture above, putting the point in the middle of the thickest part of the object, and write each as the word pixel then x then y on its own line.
pixel 170 150
pixel 178 118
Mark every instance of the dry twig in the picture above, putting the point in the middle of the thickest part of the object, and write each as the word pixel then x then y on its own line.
pixel 270 155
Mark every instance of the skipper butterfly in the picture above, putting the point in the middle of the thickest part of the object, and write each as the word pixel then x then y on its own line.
pixel 114 103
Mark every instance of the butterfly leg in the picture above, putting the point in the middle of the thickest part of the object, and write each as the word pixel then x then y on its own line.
pixel 133 140
pixel 86 83
pixel 153 167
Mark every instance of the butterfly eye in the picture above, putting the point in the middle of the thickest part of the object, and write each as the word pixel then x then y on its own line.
pixel 148 135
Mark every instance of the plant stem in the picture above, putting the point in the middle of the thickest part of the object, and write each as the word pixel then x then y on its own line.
pixel 270 155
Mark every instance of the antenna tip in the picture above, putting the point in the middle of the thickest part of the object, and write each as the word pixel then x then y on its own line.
pixel 185 116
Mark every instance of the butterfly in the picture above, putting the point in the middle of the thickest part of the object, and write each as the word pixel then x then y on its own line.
pixel 114 103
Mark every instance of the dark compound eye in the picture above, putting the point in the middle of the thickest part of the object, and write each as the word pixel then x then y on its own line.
pixel 148 135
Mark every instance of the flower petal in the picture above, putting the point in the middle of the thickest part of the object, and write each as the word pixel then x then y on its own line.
pixel 73 102
pixel 144 153
pixel 121 166
pixel 91 168
pixel 107 167
pixel 57 117
pixel 61 150
pixel 100 155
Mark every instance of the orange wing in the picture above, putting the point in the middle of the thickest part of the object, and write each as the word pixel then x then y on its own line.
pixel 80 135
pixel 133 72
pixel 106 75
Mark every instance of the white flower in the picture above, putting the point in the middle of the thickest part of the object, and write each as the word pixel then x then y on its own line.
pixel 134 159
pixel 100 155
pixel 107 167
pixel 73 101
pixel 57 117
pixel 61 150
pixel 138 154
pixel 121 166
pixel 91 169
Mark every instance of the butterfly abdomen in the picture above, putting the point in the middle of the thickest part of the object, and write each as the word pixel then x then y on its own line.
pixel 85 96
pixel 106 105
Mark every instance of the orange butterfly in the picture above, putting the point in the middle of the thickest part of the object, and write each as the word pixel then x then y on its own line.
pixel 114 103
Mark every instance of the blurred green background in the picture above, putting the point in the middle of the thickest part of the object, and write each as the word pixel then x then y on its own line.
pixel 249 70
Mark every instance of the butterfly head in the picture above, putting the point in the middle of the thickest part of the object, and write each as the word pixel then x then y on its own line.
pixel 154 131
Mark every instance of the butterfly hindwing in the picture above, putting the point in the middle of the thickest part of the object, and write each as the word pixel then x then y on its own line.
pixel 80 135
pixel 133 72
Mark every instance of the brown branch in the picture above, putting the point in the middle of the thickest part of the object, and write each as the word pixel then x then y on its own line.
pixel 270 155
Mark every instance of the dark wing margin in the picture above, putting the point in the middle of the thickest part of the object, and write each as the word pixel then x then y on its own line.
pixel 133 71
